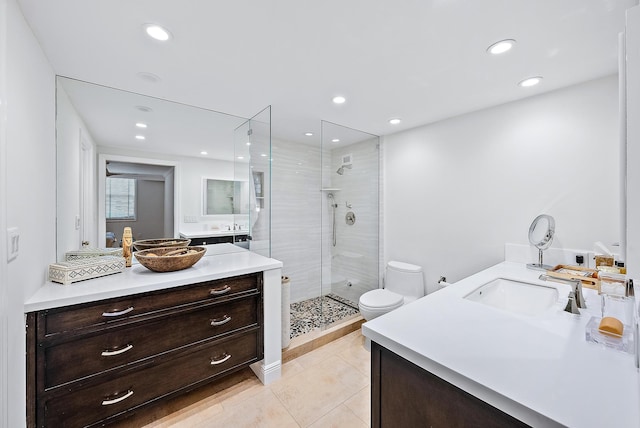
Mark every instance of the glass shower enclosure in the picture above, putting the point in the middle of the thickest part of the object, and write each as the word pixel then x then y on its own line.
pixel 350 169
pixel 252 175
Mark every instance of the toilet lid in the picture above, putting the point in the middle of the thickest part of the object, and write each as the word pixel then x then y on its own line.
pixel 380 298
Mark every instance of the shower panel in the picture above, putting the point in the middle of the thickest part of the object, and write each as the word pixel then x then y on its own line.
pixel 334 205
pixel 350 249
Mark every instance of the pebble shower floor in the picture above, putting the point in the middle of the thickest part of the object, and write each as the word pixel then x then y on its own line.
pixel 312 314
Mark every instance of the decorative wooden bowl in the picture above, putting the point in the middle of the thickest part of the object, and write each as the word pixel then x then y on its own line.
pixel 169 259
pixel 147 244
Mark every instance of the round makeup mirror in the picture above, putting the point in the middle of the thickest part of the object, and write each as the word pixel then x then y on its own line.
pixel 541 236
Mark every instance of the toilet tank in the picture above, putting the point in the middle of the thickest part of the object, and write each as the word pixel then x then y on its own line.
pixel 405 279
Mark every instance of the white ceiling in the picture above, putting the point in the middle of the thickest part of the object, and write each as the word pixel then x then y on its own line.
pixel 420 60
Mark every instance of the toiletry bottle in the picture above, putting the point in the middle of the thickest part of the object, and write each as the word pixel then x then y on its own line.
pixel 127 241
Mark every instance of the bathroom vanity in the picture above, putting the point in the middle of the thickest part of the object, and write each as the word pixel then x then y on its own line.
pixel 448 360
pixel 209 237
pixel 99 350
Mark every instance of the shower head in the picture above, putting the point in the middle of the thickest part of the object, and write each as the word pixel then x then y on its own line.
pixel 340 170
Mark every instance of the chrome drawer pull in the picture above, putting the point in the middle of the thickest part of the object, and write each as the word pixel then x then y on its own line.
pixel 216 322
pixel 215 362
pixel 218 291
pixel 119 399
pixel 117 313
pixel 117 352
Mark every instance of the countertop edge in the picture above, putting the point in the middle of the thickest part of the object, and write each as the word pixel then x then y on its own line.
pixel 138 279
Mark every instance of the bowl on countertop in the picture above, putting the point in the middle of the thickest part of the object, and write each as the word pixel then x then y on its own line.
pixel 147 244
pixel 169 259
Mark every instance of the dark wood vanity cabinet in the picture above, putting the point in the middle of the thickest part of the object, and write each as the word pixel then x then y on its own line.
pixel 405 395
pixel 95 363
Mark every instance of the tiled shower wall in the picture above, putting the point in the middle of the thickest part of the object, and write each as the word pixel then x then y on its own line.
pixel 296 217
pixel 302 219
pixel 354 259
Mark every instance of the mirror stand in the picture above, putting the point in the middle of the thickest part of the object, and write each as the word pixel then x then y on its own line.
pixel 539 265
pixel 541 234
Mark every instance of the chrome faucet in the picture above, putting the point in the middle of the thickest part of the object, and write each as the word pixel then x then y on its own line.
pixel 576 297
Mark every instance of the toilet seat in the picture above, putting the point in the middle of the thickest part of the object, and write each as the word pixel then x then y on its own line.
pixel 381 299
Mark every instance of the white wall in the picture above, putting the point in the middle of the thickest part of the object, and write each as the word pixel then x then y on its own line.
pixel 457 190
pixel 30 202
pixel 4 333
pixel 69 127
pixel 633 143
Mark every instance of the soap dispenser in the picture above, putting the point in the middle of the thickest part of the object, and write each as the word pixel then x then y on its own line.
pixel 127 242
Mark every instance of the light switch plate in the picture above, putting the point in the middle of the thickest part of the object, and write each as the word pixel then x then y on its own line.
pixel 13 243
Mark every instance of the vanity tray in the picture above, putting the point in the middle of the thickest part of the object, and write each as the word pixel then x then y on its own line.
pixel 87 268
pixel 87 252
pixel 588 277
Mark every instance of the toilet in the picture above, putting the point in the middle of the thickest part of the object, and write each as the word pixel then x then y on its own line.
pixel 404 283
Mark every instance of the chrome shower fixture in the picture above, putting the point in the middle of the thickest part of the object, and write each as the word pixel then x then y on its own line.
pixel 340 170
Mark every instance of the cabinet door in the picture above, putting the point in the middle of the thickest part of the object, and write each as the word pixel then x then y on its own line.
pixel 140 342
pixel 96 315
pixel 93 405
pixel 405 395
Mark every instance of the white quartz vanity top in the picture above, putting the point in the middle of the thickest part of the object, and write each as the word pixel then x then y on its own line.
pixel 540 369
pixel 208 233
pixel 220 261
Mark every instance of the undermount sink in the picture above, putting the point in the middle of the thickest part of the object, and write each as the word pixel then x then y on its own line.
pixel 515 296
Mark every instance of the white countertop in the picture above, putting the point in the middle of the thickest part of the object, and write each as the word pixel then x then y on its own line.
pixel 220 261
pixel 540 369
pixel 208 233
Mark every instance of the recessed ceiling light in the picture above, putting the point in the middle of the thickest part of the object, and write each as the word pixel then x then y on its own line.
pixel 141 125
pixel 140 137
pixel 339 99
pixel 335 140
pixel 264 155
pixel 394 121
pixel 240 157
pixel 530 81
pixel 203 153
pixel 501 47
pixel 148 77
pixel 248 143
pixel 144 109
pixel 157 32
pixel 309 134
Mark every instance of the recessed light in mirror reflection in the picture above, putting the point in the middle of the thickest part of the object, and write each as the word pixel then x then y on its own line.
pixel 157 32
pixel 501 47
pixel 141 125
pixel 530 81
pixel 140 137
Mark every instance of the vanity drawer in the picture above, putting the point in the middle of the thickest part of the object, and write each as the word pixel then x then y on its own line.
pixel 96 314
pixel 120 346
pixel 89 406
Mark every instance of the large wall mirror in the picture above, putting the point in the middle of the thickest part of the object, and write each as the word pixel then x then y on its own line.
pixel 166 147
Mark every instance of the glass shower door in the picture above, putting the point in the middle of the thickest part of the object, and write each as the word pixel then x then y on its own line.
pixel 350 218
pixel 252 175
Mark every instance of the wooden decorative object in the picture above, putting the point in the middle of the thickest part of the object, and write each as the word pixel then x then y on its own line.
pixel 169 259
pixel 147 244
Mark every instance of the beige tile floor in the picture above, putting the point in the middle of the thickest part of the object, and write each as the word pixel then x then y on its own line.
pixel 327 387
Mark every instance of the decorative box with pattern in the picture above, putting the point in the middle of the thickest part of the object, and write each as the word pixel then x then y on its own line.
pixel 87 252
pixel 86 268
